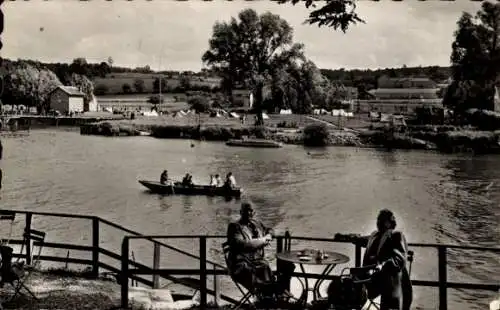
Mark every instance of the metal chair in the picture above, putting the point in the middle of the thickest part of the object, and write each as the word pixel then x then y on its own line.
pixel 7 216
pixel 363 276
pixel 246 295
pixel 20 271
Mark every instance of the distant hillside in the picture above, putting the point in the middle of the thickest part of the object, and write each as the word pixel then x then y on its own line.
pixel 113 79
pixel 114 82
pixel 368 78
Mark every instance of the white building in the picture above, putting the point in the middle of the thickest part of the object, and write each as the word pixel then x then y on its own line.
pixel 66 99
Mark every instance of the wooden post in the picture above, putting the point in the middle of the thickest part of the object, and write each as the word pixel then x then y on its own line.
pixel 124 273
pixel 27 229
pixel 95 247
pixel 216 288
pixel 442 264
pixel 357 256
pixel 156 264
pixel 203 272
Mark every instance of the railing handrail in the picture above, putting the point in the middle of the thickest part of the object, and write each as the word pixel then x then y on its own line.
pixel 319 239
pixel 117 226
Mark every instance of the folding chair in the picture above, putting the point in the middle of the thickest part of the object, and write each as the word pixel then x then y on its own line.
pixel 363 276
pixel 246 295
pixel 7 216
pixel 20 271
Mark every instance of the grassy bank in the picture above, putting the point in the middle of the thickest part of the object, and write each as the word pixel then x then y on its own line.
pixel 289 130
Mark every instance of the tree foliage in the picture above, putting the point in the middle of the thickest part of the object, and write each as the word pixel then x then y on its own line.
pixel 29 85
pixel 475 60
pixel 156 84
pixel 246 51
pixel 139 85
pixel 200 104
pixel 298 87
pixel 338 14
pixel 84 84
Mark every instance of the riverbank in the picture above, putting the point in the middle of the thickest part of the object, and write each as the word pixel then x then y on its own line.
pixel 22 122
pixel 288 129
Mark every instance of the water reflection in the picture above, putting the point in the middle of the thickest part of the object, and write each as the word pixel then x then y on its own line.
pixel 471 198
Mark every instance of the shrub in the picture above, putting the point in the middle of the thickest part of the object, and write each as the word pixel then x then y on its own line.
pixel 316 135
pixel 155 99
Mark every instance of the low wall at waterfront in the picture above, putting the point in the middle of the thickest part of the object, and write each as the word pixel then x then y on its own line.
pixel 34 121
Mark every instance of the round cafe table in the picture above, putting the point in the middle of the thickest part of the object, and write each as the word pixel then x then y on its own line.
pixel 308 257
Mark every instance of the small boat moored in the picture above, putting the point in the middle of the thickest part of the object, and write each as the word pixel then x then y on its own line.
pixel 177 188
pixel 263 143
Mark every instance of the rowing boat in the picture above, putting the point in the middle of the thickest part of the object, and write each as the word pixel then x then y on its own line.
pixel 178 189
pixel 263 143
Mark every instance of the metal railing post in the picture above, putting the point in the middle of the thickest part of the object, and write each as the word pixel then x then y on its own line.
pixel 95 247
pixel 156 264
pixel 279 244
pixel 124 273
pixel 203 272
pixel 442 278
pixel 27 229
pixel 216 288
pixel 357 255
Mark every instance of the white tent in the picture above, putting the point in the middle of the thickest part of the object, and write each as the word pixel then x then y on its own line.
pixel 151 114
pixel 288 111
pixel 265 116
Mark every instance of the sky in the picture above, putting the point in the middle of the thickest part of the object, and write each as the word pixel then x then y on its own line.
pixel 173 35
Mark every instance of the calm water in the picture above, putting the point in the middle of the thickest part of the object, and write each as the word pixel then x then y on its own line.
pixel 316 192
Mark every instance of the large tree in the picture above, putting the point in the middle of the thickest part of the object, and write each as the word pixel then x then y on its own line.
pixel 245 51
pixel 475 60
pixel 28 85
pixel 298 87
pixel 338 14
pixel 85 85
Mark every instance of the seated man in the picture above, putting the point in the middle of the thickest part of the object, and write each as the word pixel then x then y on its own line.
pixel 247 265
pixel 187 180
pixel 230 181
pixel 164 177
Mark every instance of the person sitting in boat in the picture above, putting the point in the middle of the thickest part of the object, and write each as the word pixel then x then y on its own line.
pixel 187 180
pixel 246 262
pixel 230 181
pixel 213 181
pixel 164 177
pixel 218 181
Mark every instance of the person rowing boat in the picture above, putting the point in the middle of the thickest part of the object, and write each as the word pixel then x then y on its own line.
pixel 164 177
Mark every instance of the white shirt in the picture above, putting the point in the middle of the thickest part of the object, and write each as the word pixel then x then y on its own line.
pixel 232 180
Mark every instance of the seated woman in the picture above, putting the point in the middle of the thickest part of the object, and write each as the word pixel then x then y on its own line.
pixel 186 180
pixel 213 181
pixel 230 181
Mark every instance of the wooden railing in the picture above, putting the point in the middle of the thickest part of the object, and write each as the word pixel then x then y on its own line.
pixel 202 272
pixel 130 269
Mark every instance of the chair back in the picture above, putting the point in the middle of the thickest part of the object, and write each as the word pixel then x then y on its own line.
pixel 7 216
pixel 287 242
pixel 226 250
pixel 410 261
pixel 36 237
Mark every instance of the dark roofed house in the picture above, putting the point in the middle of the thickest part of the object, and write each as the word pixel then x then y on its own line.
pixel 407 82
pixel 66 99
pixel 405 93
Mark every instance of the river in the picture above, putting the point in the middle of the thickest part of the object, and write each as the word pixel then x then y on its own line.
pixel 312 192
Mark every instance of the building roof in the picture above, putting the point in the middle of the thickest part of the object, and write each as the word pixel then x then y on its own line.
pixel 71 90
pixel 241 92
pixel 403 91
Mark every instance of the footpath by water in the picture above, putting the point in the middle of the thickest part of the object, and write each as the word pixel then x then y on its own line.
pixel 311 192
